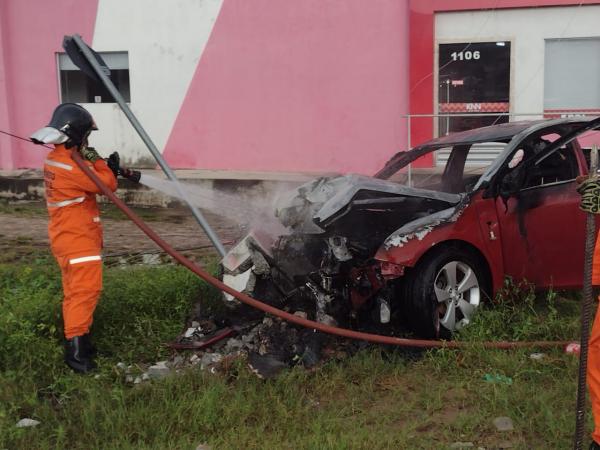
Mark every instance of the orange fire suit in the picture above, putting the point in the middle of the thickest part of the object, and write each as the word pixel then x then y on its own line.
pixel 76 234
pixel 593 367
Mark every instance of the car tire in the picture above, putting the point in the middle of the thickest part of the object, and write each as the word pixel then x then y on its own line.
pixel 435 307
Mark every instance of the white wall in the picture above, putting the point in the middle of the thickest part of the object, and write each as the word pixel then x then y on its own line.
pixel 526 29
pixel 165 40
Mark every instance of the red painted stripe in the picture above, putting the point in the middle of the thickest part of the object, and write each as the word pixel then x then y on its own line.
pixel 488 107
pixel 582 110
pixel 470 5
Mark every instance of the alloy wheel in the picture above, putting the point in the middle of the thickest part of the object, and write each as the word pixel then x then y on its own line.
pixel 458 294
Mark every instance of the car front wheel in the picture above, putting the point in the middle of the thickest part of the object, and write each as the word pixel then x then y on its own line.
pixel 443 292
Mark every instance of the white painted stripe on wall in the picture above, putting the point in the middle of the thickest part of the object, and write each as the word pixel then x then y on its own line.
pixel 165 41
pixel 85 259
pixel 58 164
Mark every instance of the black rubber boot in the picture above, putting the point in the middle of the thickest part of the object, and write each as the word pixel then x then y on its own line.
pixel 594 446
pixel 89 345
pixel 77 356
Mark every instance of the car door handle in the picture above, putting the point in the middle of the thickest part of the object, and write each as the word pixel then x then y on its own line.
pixel 492 230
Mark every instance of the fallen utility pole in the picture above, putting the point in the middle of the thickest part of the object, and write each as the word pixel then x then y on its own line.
pixel 586 312
pixel 92 65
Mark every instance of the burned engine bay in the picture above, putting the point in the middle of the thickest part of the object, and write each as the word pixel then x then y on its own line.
pixel 322 266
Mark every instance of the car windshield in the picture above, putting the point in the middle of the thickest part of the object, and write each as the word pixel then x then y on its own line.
pixel 457 169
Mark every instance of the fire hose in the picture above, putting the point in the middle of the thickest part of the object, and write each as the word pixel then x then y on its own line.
pixel 246 299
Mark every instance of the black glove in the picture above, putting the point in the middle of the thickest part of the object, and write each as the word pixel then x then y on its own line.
pixel 132 175
pixel 590 195
pixel 113 163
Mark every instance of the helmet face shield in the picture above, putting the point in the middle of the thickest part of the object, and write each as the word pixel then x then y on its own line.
pixel 74 121
pixel 49 135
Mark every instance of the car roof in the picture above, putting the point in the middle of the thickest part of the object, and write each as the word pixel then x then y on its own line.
pixel 495 133
pixel 504 132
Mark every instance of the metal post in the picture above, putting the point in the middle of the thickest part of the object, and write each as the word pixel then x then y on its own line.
pixel 448 101
pixel 155 152
pixel 586 312
pixel 408 121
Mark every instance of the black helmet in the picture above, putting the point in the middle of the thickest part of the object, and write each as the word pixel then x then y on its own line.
pixel 74 121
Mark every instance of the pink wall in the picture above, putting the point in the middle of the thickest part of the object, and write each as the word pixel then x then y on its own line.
pixel 31 32
pixel 316 85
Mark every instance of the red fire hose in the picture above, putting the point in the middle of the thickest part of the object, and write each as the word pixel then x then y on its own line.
pixel 343 332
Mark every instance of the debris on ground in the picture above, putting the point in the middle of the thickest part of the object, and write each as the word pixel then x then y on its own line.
pixel 267 345
pixel 504 424
pixel 462 445
pixel 158 370
pixel 573 348
pixel 26 423
pixel 537 356
pixel 265 366
pixel 497 378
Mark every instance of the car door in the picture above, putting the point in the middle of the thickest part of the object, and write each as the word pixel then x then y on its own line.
pixel 542 228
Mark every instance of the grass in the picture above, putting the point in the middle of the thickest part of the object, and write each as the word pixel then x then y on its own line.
pixel 378 399
pixel 29 209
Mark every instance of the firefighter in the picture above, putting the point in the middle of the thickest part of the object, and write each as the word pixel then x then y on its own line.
pixel 74 228
pixel 590 202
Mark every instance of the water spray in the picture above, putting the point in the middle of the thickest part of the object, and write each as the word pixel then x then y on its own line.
pixel 311 324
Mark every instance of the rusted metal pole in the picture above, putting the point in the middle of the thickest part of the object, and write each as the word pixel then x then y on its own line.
pixel 586 312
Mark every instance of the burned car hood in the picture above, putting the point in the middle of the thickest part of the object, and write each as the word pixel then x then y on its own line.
pixel 356 205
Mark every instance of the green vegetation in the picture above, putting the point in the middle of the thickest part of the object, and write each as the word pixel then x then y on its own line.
pixel 377 399
pixel 23 209
pixel 107 210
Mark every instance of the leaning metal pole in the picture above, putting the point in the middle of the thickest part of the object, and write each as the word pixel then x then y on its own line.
pixel 586 312
pixel 149 143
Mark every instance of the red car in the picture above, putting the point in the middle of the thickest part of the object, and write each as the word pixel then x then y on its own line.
pixel 363 251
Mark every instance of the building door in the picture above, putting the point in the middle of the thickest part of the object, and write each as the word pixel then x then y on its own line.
pixel 474 83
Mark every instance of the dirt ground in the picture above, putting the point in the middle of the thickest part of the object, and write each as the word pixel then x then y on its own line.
pixel 23 230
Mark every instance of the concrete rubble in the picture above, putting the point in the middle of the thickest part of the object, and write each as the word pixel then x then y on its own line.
pixel 27 423
pixel 159 370
pixel 504 424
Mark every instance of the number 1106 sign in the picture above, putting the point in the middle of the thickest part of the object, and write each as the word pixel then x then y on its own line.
pixel 465 55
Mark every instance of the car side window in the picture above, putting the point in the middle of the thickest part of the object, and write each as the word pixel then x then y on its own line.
pixel 559 167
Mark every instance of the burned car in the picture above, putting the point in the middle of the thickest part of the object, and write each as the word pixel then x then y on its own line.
pixel 364 251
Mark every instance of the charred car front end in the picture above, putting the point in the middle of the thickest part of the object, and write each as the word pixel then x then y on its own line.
pixel 368 252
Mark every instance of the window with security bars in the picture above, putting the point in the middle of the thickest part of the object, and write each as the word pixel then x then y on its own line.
pixel 77 87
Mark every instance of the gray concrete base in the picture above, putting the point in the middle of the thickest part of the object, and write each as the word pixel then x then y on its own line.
pixel 28 185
